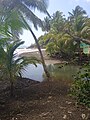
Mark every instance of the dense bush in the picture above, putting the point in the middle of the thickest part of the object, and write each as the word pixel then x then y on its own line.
pixel 81 86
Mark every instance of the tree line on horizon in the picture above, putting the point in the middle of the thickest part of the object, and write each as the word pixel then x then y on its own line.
pixel 64 35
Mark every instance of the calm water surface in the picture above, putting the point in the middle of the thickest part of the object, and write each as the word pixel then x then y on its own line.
pixel 58 71
pixel 32 72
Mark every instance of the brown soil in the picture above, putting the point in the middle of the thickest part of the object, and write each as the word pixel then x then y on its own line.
pixel 42 101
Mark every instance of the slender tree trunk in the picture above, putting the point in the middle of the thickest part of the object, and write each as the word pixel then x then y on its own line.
pixel 11 86
pixel 38 46
pixel 42 58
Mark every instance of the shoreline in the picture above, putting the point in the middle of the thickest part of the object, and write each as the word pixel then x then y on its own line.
pixel 48 59
pixel 35 53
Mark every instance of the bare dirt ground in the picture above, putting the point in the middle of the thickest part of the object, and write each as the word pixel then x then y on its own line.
pixel 42 101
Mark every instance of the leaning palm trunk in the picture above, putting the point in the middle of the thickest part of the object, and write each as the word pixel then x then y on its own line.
pixel 38 46
pixel 42 58
pixel 11 86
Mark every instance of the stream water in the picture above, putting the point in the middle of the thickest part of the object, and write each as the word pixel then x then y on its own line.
pixel 34 73
pixel 58 71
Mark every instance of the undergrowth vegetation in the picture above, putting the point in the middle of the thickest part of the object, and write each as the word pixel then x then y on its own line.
pixel 81 85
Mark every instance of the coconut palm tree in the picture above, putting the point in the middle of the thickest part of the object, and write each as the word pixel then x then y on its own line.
pixel 11 65
pixel 46 24
pixel 79 11
pixel 77 21
pixel 57 22
pixel 26 7
pixel 38 46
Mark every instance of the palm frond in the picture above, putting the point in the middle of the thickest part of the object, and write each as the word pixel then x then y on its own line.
pixel 10 52
pixel 31 16
pixel 3 41
pixel 26 6
pixel 86 29
pixel 14 21
pixel 31 60
pixel 39 4
pixel 2 54
pixel 18 60
pixel 13 48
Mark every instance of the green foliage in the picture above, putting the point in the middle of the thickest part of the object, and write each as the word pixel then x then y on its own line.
pixel 57 40
pixel 57 22
pixel 13 18
pixel 81 86
pixel 11 65
pixel 50 48
pixel 58 43
pixel 77 21
pixel 46 24
pixel 11 24
pixel 26 7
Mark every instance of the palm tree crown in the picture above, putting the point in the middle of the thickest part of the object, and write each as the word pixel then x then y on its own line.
pixel 27 7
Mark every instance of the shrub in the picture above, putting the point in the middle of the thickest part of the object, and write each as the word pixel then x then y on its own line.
pixel 81 85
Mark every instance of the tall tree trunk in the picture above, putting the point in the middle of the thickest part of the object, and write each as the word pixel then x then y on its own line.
pixel 38 46
pixel 11 89
pixel 11 86
pixel 42 58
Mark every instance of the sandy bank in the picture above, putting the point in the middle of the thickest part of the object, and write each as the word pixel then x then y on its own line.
pixel 48 60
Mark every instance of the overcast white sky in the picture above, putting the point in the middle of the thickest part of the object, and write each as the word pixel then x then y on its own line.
pixel 64 6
